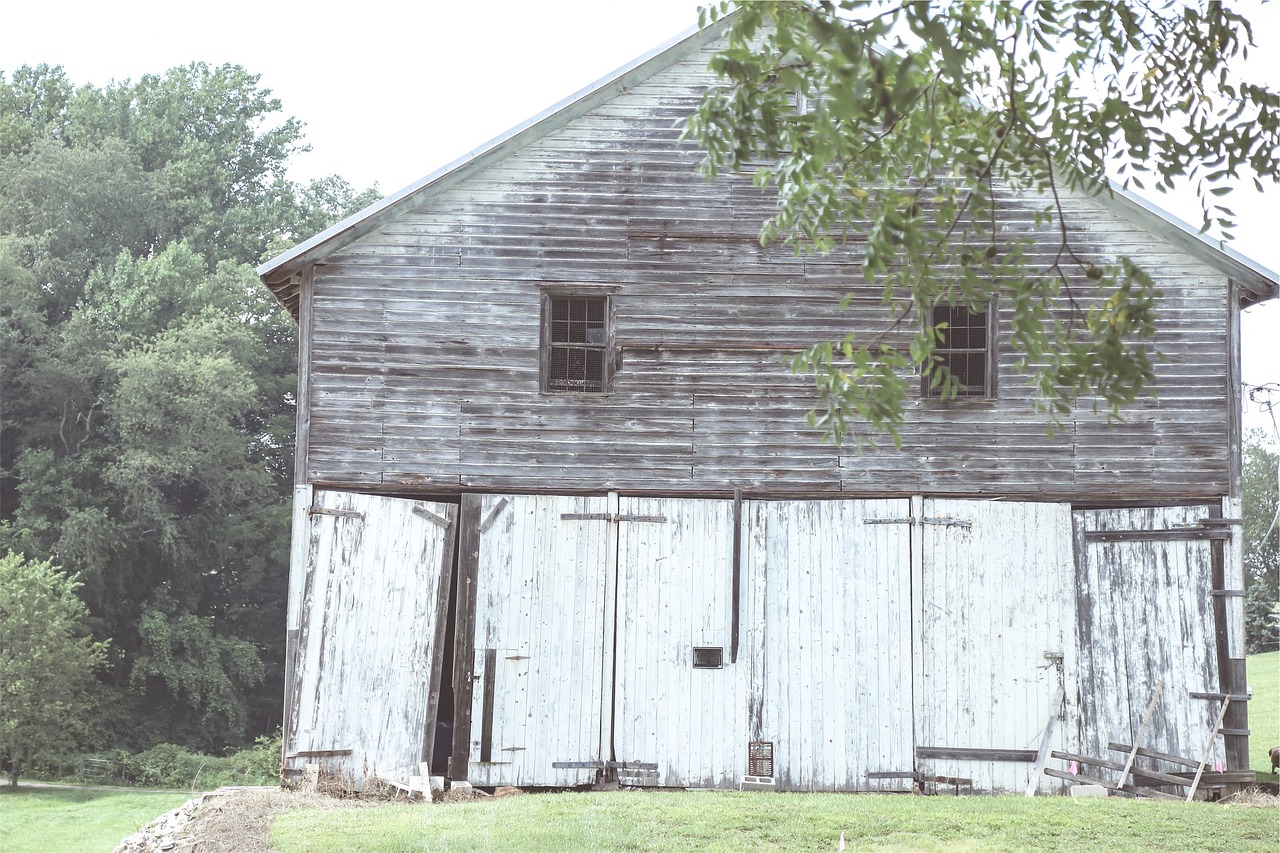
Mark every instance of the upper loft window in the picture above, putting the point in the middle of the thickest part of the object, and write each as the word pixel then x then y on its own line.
pixel 965 350
pixel 576 341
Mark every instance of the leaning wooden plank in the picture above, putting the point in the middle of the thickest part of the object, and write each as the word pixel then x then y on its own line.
pixel 1208 748
pixel 1151 753
pixel 1043 753
pixel 1180 781
pixel 1128 789
pixel 1142 730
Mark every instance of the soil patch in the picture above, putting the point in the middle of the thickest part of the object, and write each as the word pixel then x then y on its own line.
pixel 229 820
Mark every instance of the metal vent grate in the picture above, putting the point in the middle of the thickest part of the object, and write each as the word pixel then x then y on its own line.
pixel 760 758
pixel 964 348
pixel 578 342
pixel 708 657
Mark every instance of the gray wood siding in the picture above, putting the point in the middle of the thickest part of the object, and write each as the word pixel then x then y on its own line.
pixel 424 342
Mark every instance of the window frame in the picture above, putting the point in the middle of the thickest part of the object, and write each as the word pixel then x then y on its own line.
pixel 549 293
pixel 989 352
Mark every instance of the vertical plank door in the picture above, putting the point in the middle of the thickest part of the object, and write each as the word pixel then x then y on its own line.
pixel 996 604
pixel 680 703
pixel 1146 612
pixel 830 641
pixel 369 650
pixel 540 624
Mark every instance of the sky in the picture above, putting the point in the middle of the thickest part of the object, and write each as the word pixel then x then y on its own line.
pixel 391 91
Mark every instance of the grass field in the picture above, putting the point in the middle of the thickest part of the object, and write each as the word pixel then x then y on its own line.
pixel 726 820
pixel 72 820
pixel 67 820
pixel 1264 710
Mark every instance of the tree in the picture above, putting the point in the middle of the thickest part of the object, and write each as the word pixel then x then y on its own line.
pixel 909 148
pixel 147 382
pixel 47 660
pixel 1261 503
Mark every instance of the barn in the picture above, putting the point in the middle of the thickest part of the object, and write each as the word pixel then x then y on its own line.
pixel 559 520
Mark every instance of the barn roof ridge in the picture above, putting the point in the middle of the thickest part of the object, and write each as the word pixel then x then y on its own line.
pixel 1260 282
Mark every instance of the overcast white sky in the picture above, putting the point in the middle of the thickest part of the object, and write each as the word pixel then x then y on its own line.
pixel 391 91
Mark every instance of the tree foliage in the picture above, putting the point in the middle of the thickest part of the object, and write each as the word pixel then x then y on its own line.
pixel 147 381
pixel 1261 503
pixel 47 661
pixel 905 124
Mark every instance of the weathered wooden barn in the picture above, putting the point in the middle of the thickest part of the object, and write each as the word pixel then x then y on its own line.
pixel 555 493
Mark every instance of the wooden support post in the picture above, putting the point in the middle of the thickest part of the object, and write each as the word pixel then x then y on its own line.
pixel 609 641
pixel 735 595
pixel 1208 748
pixel 1142 730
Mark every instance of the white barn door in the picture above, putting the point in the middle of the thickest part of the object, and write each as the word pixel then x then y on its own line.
pixel 540 631
pixel 830 637
pixel 1146 605
pixel 680 702
pixel 992 637
pixel 370 635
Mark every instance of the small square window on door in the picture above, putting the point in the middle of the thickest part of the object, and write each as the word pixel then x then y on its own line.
pixel 965 351
pixel 577 340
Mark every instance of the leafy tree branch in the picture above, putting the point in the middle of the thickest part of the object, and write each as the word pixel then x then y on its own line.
pixel 912 125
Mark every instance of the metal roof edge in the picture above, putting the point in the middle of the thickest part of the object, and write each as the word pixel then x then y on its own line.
pixel 553 118
pixel 1260 281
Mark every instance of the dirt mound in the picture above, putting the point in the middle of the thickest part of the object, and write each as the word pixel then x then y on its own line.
pixel 229 820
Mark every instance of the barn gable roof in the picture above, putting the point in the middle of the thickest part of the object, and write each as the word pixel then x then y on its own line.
pixel 1257 282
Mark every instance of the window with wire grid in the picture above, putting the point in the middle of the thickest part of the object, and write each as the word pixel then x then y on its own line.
pixel 965 350
pixel 576 339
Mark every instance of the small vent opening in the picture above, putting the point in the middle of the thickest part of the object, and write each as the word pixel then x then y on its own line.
pixel 708 657
pixel 760 758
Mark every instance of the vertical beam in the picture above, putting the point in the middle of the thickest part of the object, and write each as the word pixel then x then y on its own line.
pixel 486 719
pixel 917 618
pixel 1234 679
pixel 608 664
pixel 436 649
pixel 301 534
pixel 735 600
pixel 302 436
pixel 464 632
pixel 1234 390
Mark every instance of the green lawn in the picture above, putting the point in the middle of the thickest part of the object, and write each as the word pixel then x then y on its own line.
pixel 1264 710
pixel 753 821
pixel 69 820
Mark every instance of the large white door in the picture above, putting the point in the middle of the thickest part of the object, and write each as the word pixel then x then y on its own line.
pixel 541 626
pixel 370 635
pixel 995 615
pixel 829 585
pixel 680 706
pixel 1146 606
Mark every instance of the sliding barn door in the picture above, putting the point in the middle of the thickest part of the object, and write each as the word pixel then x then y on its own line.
pixel 541 623
pixel 1145 587
pixel 680 706
pixel 365 672
pixel 993 635
pixel 829 585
